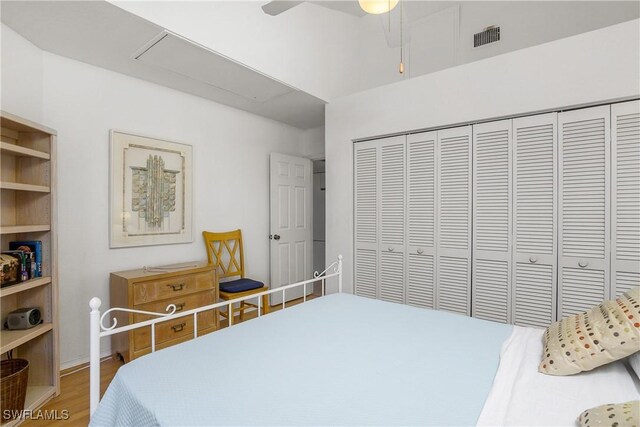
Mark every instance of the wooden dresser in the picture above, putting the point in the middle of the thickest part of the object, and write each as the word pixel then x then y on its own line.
pixel 187 285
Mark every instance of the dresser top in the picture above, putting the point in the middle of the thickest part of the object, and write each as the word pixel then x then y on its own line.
pixel 160 271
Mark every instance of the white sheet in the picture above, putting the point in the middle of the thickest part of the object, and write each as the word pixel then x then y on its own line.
pixel 520 395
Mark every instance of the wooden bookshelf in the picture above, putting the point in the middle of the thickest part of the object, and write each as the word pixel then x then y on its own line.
pixel 27 183
pixel 20 229
pixel 13 339
pixel 9 149
pixel 24 187
pixel 23 286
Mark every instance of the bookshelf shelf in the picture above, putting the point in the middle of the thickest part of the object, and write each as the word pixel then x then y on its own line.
pixel 15 229
pixel 13 339
pixel 5 185
pixel 28 185
pixel 20 287
pixel 17 150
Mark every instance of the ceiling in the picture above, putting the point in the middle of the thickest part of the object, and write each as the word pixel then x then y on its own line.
pixel 101 34
pixel 350 7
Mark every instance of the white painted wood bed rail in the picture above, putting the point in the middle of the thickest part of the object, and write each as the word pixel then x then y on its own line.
pixel 99 330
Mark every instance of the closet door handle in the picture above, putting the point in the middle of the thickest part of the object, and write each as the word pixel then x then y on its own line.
pixel 582 263
pixel 390 248
pixel 420 251
pixel 533 260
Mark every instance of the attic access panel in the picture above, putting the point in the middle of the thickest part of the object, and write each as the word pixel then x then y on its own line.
pixel 179 55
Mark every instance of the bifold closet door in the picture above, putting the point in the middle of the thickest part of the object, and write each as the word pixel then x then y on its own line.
pixel 625 204
pixel 491 275
pixel 534 272
pixel 421 219
pixel 453 242
pixel 392 219
pixel 366 158
pixel 584 137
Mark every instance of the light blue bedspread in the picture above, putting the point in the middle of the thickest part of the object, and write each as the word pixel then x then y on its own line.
pixel 337 360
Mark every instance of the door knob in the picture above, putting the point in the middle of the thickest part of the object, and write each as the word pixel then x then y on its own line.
pixel 533 260
pixel 420 251
pixel 276 237
pixel 582 263
pixel 390 248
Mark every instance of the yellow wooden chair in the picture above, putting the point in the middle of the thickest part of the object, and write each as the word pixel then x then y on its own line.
pixel 224 251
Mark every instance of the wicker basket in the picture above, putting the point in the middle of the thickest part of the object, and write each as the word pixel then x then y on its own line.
pixel 13 386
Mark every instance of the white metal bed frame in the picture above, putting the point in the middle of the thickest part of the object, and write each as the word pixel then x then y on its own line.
pixel 99 330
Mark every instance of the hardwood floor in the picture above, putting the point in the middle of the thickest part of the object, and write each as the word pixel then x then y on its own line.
pixel 74 396
pixel 74 390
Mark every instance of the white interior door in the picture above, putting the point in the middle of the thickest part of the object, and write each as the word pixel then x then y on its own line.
pixel 453 243
pixel 491 273
pixel 291 233
pixel 366 198
pixel 535 211
pixel 584 208
pixel 625 205
pixel 392 219
pixel 421 219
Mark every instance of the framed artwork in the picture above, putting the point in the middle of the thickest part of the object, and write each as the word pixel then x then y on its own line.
pixel 151 197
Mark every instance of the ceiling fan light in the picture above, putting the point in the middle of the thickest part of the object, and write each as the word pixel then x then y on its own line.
pixel 377 7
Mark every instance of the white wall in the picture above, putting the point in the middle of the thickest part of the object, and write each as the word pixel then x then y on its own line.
pixel 309 47
pixel 439 36
pixel 313 143
pixel 329 54
pixel 231 168
pixel 21 87
pixel 598 66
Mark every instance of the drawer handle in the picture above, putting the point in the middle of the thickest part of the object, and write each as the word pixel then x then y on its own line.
pixel 179 307
pixel 420 251
pixel 178 287
pixel 533 260
pixel 178 328
pixel 582 263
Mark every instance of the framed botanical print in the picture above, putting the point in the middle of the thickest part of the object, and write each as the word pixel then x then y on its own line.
pixel 151 196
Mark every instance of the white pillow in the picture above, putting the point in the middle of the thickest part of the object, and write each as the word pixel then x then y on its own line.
pixel 610 331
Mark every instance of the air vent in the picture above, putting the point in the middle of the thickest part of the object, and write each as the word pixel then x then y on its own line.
pixel 489 35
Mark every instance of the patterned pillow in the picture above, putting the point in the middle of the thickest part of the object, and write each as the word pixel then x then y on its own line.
pixel 622 414
pixel 582 342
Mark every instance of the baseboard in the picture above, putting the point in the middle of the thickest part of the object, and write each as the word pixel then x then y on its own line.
pixel 79 363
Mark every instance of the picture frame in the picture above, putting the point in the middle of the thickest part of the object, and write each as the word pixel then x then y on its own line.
pixel 150 191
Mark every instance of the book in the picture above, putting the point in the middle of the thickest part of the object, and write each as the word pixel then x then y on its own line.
pixel 14 267
pixel 34 246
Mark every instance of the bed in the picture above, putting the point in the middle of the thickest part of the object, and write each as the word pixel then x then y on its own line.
pixel 348 360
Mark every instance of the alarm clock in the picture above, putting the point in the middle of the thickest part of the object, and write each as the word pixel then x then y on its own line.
pixel 24 318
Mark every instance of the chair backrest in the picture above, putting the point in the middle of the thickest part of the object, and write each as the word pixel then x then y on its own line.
pixel 224 250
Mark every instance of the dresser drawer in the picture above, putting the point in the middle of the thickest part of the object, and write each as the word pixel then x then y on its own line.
pixel 177 328
pixel 172 287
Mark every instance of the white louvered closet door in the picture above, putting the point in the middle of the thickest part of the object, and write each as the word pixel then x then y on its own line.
pixel 491 275
pixel 392 219
pixel 453 243
pixel 584 208
pixel 366 183
pixel 534 272
pixel 625 176
pixel 421 219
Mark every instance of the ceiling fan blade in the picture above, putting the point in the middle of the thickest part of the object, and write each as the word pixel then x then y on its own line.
pixel 274 8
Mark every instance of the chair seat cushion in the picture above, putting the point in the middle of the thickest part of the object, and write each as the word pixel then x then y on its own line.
pixel 240 285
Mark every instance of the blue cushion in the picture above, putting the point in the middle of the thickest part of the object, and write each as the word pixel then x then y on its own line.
pixel 240 285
